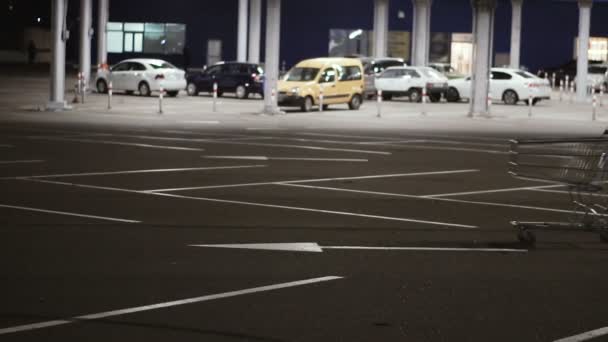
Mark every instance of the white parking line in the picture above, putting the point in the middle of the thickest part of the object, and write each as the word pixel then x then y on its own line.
pixel 586 336
pixel 21 161
pixel 68 214
pixel 201 122
pixel 233 142
pixel 101 315
pixel 429 198
pixel 312 180
pixel 287 158
pixel 120 143
pixel 492 191
pixel 86 174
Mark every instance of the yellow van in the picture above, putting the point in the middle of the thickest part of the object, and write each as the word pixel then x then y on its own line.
pixel 339 80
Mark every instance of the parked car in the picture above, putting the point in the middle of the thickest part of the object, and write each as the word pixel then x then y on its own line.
pixel 143 76
pixel 410 81
pixel 372 67
pixel 446 69
pixel 508 85
pixel 340 80
pixel 566 69
pixel 243 79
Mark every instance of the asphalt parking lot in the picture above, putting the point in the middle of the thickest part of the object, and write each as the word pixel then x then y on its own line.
pixel 162 230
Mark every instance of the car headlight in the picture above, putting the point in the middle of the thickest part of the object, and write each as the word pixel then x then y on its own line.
pixel 295 90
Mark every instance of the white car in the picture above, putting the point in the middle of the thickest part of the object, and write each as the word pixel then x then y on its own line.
pixel 410 81
pixel 143 76
pixel 598 76
pixel 507 85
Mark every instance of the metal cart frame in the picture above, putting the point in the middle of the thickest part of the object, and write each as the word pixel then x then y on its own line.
pixel 581 166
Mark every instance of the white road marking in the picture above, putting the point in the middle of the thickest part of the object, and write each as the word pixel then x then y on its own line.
pixel 68 214
pixel 21 161
pixel 312 180
pixel 264 129
pixel 387 218
pixel 444 148
pixel 586 336
pixel 202 122
pixel 321 211
pixel 121 143
pixel 233 142
pixel 313 247
pixel 101 315
pixel 429 198
pixel 287 158
pixel 139 171
pixel 492 191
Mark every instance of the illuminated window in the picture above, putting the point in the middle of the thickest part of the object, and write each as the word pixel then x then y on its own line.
pixel 153 38
pixel 598 49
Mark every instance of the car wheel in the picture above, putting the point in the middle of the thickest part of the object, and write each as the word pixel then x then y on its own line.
pixel 241 92
pixel 387 97
pixel 510 97
pixel 144 89
pixel 307 104
pixel 325 107
pixel 192 89
pixel 415 95
pixel 102 87
pixel 173 93
pixel 355 102
pixel 435 97
pixel 453 95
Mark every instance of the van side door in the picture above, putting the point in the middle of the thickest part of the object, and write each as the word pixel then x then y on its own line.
pixel 328 83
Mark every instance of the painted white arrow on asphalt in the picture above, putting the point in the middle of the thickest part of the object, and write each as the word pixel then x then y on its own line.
pixel 313 247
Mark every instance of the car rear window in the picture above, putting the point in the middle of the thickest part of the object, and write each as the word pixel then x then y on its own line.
pixel 431 73
pixel 524 74
pixel 597 69
pixel 162 65
pixel 302 74
pixel 378 67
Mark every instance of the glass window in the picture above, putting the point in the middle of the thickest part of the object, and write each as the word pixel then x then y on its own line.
pixel 431 73
pixel 137 66
pixel 497 75
pixel 114 27
pixel 134 27
pixel 121 67
pixel 175 38
pixel 153 42
pixel 153 27
pixel 214 70
pixel 115 41
pixel 351 73
pixel 302 74
pixel 128 42
pixel 412 73
pixel 524 74
pixel 138 42
pixel 329 75
pixel 391 73
pixel 161 65
pixel 594 69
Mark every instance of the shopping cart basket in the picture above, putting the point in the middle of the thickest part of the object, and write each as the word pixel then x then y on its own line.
pixel 579 167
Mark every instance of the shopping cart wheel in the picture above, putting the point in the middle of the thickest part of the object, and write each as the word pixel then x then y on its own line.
pixel 526 237
pixel 604 236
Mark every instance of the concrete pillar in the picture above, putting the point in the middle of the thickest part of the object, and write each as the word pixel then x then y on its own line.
pixel 582 64
pixel 255 29
pixel 421 32
pixel 59 35
pixel 381 28
pixel 483 35
pixel 241 54
pixel 102 39
pixel 86 31
pixel 516 33
pixel 273 45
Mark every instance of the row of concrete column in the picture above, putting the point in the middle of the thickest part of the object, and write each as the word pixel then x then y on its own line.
pixel 249 31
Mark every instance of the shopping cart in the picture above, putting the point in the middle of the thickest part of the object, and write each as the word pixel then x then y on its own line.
pixel 577 166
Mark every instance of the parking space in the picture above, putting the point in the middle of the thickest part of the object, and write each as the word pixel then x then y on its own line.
pixel 411 233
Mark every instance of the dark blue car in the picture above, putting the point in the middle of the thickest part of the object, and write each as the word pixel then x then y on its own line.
pixel 242 79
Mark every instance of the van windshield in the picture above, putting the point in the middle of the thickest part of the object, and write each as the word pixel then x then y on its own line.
pixel 302 74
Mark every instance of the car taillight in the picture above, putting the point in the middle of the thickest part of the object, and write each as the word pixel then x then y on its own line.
pixel 257 78
pixel 535 85
pixel 429 85
pixel 159 77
